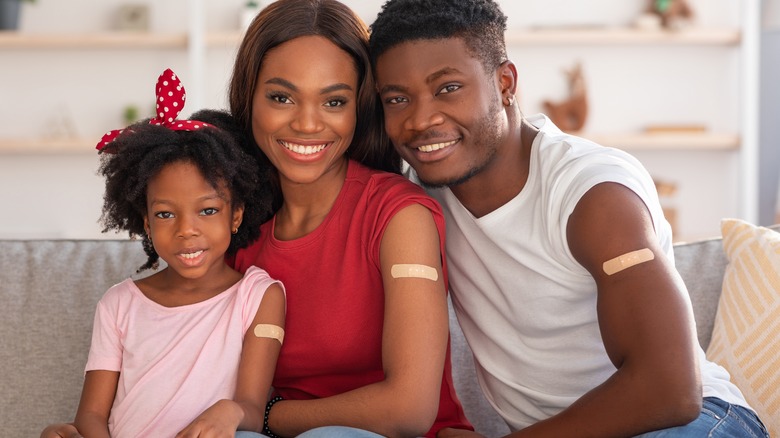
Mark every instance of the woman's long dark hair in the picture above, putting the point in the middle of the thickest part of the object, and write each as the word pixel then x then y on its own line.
pixel 284 20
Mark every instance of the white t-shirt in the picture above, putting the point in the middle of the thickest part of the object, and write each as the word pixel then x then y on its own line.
pixel 173 362
pixel 526 306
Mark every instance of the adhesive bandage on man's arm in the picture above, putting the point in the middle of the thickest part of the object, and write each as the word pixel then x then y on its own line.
pixel 270 331
pixel 628 260
pixel 414 271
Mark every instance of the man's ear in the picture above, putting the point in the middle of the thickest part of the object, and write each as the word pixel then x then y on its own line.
pixel 507 79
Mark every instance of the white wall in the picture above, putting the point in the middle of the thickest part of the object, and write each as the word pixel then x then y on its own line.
pixel 60 195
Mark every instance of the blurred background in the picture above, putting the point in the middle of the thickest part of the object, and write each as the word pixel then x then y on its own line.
pixel 690 89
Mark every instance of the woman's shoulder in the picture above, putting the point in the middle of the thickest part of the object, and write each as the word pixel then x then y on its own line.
pixel 383 181
pixel 384 194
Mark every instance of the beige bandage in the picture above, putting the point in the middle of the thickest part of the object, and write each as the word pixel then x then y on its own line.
pixel 628 260
pixel 270 331
pixel 414 271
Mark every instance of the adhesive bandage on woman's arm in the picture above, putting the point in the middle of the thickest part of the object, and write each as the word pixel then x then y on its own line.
pixel 270 331
pixel 414 271
pixel 628 260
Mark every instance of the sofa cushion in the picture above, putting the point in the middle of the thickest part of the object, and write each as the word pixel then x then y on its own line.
pixel 746 335
pixel 701 265
pixel 48 294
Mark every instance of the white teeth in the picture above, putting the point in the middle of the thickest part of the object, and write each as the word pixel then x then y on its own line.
pixel 436 146
pixel 192 255
pixel 303 150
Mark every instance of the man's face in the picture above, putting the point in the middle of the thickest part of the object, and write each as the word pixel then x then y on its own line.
pixel 443 111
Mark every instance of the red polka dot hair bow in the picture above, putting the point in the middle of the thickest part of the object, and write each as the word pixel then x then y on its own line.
pixel 170 101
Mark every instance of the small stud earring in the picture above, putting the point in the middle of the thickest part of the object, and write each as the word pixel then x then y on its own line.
pixel 510 100
pixel 235 230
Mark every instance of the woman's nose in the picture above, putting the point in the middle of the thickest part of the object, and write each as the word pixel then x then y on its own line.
pixel 307 119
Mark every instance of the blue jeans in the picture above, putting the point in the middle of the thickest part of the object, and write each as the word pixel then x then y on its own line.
pixel 338 432
pixel 323 432
pixel 718 419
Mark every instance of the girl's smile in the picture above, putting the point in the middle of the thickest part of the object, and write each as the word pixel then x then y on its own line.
pixel 189 221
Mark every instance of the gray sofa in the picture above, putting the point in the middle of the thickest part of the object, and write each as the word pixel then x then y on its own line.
pixel 48 291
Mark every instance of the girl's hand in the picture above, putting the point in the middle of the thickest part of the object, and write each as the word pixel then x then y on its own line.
pixel 63 430
pixel 219 421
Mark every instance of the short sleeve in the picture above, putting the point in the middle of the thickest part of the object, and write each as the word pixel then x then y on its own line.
pixel 105 352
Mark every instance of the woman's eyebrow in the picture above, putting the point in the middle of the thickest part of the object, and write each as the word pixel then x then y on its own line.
pixel 329 89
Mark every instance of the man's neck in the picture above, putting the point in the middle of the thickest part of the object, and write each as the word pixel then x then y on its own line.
pixel 504 177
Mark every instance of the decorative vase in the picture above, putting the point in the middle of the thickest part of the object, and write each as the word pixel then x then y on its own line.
pixel 9 14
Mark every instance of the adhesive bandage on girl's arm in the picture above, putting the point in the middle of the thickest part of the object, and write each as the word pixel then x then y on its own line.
pixel 270 331
pixel 414 271
pixel 628 260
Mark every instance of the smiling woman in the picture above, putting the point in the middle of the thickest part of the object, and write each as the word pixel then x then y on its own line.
pixel 342 224
pixel 305 109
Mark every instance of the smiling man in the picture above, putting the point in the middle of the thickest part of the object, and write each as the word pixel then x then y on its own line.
pixel 561 262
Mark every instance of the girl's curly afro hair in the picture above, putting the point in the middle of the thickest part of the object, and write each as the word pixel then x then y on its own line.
pixel 140 153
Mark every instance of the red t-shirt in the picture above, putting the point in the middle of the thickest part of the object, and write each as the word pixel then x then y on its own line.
pixel 335 296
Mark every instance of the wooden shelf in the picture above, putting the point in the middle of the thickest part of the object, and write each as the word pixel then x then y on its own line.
pixel 667 142
pixel 226 38
pixel 623 36
pixel 47 146
pixel 105 40
pixel 539 36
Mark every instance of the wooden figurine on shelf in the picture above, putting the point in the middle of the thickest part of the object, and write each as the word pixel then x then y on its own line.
pixel 570 114
pixel 673 13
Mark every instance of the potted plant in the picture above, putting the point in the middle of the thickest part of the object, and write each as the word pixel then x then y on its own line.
pixel 9 13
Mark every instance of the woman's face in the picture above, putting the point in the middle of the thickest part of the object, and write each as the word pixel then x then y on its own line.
pixel 304 107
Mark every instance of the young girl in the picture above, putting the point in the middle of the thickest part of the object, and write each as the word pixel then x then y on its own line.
pixel 191 348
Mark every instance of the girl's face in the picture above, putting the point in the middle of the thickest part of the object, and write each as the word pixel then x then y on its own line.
pixel 190 222
pixel 304 107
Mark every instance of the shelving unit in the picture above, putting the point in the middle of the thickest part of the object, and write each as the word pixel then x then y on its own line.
pixel 724 155
pixel 714 168
pixel 534 37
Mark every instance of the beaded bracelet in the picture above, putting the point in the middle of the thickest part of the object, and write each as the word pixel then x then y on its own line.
pixel 266 430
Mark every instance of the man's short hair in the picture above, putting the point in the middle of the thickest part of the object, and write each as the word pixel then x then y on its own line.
pixel 480 23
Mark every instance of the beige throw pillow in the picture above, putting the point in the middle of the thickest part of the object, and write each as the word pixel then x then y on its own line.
pixel 746 334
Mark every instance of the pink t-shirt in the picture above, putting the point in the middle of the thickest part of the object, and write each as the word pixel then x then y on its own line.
pixel 173 362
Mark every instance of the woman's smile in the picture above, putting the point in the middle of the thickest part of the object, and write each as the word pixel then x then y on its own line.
pixel 304 108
